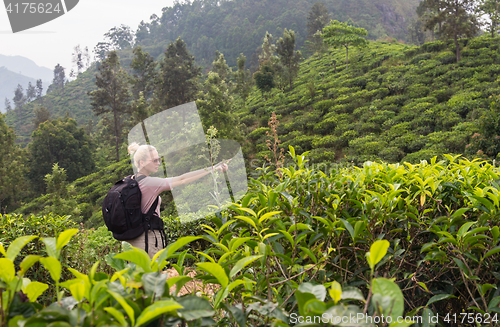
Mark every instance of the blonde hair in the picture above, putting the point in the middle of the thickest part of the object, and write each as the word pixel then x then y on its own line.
pixel 140 152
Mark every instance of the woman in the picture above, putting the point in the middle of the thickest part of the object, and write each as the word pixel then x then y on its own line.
pixel 147 161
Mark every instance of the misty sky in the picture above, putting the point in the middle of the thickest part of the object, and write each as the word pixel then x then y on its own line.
pixel 53 42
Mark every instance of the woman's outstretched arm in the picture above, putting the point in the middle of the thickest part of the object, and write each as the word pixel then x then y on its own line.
pixel 194 175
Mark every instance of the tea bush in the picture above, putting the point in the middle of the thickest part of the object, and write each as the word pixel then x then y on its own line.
pixel 296 246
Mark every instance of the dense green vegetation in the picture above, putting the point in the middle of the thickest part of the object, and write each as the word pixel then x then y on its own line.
pixel 387 184
pixel 234 27
pixel 71 101
pixel 296 244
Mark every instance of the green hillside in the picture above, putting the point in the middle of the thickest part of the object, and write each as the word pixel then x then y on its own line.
pixel 72 100
pixel 395 102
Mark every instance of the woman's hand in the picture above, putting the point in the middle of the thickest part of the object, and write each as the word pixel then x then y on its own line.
pixel 223 167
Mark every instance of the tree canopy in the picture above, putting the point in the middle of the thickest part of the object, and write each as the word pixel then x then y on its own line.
pixel 177 81
pixel 11 167
pixel 112 96
pixel 338 34
pixel 59 141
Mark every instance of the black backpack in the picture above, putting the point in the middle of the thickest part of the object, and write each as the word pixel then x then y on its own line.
pixel 121 210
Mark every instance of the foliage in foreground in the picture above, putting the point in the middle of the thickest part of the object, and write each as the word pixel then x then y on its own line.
pixel 297 245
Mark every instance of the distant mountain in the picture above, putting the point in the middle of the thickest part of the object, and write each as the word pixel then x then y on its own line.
pixel 8 83
pixel 16 70
pixel 26 67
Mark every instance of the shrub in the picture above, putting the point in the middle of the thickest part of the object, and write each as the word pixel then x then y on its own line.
pixel 436 46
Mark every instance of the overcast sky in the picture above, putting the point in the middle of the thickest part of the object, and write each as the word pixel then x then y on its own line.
pixel 53 42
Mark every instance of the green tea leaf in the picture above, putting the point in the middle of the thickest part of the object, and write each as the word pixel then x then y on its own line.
pixel 248 220
pixel 50 247
pixel 34 290
pixel 465 227
pixel 319 291
pixel 27 263
pixel 309 254
pixel 78 290
pixel 439 297
pixel 377 251
pixel 215 270
pixel 65 237
pixel 117 315
pixel 155 310
pixel 335 292
pixel 154 283
pixel 352 293
pixel 17 245
pixel 349 228
pixel 178 281
pixel 195 307
pixel 128 309
pixel 7 270
pixel 137 256
pixel 492 252
pixel 53 266
pixel 247 210
pixel 387 288
pixel 172 248
pixel 267 215
pixel 242 263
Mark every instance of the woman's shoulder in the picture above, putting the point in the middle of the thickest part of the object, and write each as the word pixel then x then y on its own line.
pixel 150 181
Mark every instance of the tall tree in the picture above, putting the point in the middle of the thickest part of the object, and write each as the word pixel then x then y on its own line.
pixel 8 106
pixel 19 97
pixel 491 9
pixel 30 92
pixel 457 19
pixel 264 78
pixel 220 66
pixel 345 35
pixel 77 59
pixel 317 19
pixel 216 107
pixel 143 74
pixel 289 58
pixel 120 37
pixel 101 50
pixel 268 49
pixel 11 167
pixel 177 81
pixel 111 97
pixel 41 116
pixel 243 79
pixel 416 32
pixel 59 79
pixel 39 89
pixel 428 11
pixel 59 141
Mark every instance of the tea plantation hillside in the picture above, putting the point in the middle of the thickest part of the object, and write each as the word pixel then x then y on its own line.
pixel 395 102
pixel 71 100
